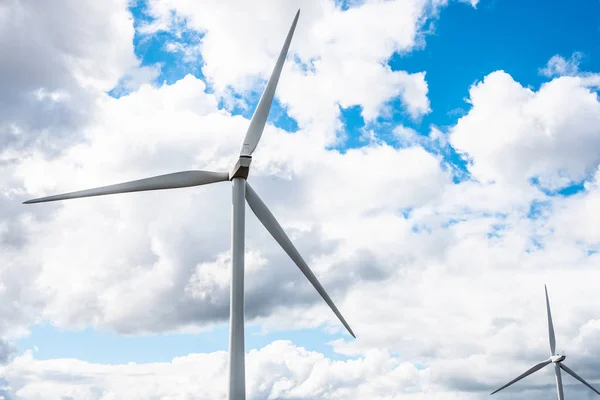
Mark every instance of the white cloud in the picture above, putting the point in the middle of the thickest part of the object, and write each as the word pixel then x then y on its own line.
pixel 336 63
pixel 406 135
pixel 178 127
pixel 279 370
pixel 558 66
pixel 512 134
pixel 472 2
pixel 58 57
pixel 577 217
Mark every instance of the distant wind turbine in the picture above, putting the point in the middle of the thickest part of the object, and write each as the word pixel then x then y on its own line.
pixel 241 190
pixel 555 358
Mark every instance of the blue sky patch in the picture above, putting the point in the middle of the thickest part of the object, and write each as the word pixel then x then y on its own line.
pixel 92 345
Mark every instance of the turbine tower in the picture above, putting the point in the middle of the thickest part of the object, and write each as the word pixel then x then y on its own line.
pixel 241 191
pixel 555 358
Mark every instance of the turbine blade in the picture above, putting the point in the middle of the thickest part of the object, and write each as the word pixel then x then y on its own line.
pixel 550 325
pixel 574 375
pixel 168 181
pixel 523 375
pixel 259 119
pixel 268 220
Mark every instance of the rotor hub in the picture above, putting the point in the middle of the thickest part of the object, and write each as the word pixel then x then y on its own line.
pixel 557 358
pixel 241 168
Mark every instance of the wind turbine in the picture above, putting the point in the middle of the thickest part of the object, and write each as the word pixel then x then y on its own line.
pixel 555 358
pixel 241 190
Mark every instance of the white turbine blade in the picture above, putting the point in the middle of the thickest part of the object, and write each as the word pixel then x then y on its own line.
pixel 259 119
pixel 550 325
pixel 574 375
pixel 168 181
pixel 523 375
pixel 268 220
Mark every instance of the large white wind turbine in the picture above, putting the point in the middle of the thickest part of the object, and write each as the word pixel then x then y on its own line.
pixel 555 358
pixel 241 190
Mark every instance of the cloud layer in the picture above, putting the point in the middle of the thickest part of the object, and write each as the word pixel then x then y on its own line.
pixel 438 277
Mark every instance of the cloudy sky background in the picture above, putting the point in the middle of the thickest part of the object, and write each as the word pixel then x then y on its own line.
pixel 435 161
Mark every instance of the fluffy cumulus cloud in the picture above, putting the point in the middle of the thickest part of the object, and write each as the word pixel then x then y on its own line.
pixel 162 268
pixel 57 59
pixel 513 133
pixel 278 371
pixel 558 65
pixel 60 55
pixel 334 64
pixel 438 278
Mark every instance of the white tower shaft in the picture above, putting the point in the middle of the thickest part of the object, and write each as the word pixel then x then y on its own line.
pixel 237 374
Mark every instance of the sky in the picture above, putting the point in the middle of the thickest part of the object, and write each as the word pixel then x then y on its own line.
pixel 436 162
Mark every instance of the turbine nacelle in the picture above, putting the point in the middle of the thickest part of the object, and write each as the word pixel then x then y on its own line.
pixel 558 358
pixel 241 168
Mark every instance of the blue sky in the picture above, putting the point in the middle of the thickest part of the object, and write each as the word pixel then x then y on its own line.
pixel 514 35
pixel 91 345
